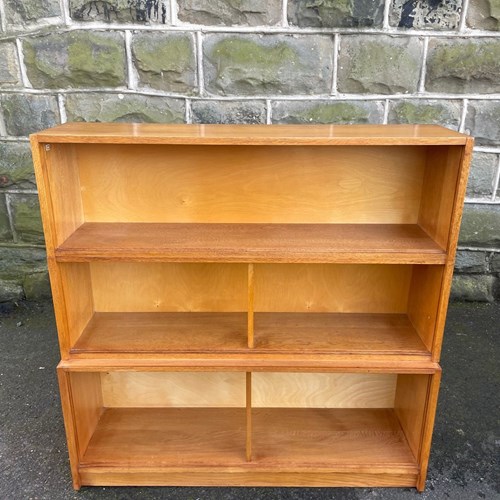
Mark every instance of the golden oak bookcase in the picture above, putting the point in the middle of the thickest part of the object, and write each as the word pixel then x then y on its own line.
pixel 250 305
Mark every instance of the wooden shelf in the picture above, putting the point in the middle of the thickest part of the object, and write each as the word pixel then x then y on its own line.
pixel 148 133
pixel 362 440
pixel 176 242
pixel 161 333
pixel 168 436
pixel 275 333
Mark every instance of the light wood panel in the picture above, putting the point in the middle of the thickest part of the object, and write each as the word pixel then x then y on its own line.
pixel 294 333
pixel 410 406
pixel 107 476
pixel 251 184
pixel 77 286
pixel 161 333
pixel 314 440
pixel 198 389
pixel 323 390
pixel 62 174
pixel 349 333
pixel 423 301
pixel 337 243
pixel 87 404
pixel 439 188
pixel 331 288
pixel 135 437
pixel 149 133
pixel 365 440
pixel 169 287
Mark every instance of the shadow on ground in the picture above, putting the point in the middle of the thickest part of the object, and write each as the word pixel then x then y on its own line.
pixel 464 462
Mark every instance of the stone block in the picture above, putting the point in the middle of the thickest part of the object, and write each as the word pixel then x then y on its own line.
pixel 379 64
pixel 480 225
pixel 336 14
pixel 484 15
pixel 133 108
pixel 482 173
pixel 75 59
pixel 228 112
pixel 29 12
pixel 120 11
pixel 17 262
pixel 10 290
pixel 425 14
pixel 5 231
pixel 26 218
pixel 463 65
pixel 473 288
pixel 9 65
pixel 16 166
pixel 27 113
pixel 483 122
pixel 471 262
pixel 36 286
pixel 165 61
pixel 495 262
pixel 439 112
pixel 230 12
pixel 268 64
pixel 327 112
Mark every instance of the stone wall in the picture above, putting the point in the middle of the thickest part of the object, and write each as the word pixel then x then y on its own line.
pixel 248 61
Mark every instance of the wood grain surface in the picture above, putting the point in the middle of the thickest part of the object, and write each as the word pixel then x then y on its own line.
pixel 342 243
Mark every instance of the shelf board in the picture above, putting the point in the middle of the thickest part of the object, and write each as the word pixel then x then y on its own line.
pixel 294 439
pixel 372 337
pixel 163 333
pixel 168 437
pixel 252 243
pixel 342 333
pixel 314 135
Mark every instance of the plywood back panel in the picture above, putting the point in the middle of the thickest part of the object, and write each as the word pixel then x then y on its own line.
pixel 182 389
pixel 169 287
pixel 251 183
pixel 331 288
pixel 77 289
pixel 439 188
pixel 87 404
pixel 323 390
pixel 65 193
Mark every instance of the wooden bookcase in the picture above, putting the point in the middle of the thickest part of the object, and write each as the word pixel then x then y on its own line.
pixel 250 305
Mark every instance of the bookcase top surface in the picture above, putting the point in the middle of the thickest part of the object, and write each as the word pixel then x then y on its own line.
pixel 147 133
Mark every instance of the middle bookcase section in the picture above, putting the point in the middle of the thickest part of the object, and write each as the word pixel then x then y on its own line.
pixel 251 311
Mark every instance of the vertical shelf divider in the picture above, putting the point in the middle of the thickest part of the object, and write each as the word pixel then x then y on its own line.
pixel 251 296
pixel 249 416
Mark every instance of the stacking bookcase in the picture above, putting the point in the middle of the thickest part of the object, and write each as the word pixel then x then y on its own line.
pixel 250 305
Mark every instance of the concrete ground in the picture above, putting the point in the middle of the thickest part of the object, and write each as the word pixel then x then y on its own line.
pixel 465 462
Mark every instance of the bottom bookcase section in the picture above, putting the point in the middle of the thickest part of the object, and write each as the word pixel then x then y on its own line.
pixel 254 429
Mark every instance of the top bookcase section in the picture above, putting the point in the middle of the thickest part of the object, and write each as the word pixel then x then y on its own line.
pixel 217 193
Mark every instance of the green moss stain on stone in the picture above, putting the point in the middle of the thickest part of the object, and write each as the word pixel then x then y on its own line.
pixel 408 112
pixel 95 59
pixel 75 59
pixel 26 218
pixel 171 54
pixel 464 66
pixel 253 67
pixel 165 62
